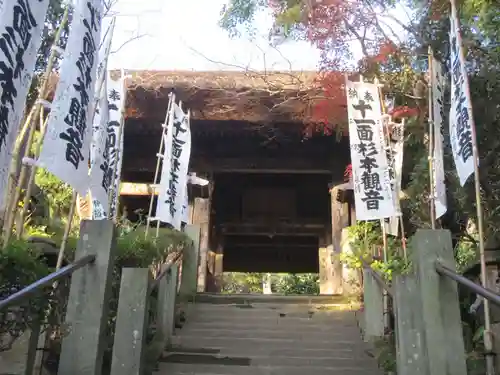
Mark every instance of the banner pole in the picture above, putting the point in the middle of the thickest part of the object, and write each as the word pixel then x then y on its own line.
pixel 432 192
pixel 488 336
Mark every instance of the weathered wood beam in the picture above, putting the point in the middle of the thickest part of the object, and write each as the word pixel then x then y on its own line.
pixel 138 189
pixel 246 165
pixel 269 245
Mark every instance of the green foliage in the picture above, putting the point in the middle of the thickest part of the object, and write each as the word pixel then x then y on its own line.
pixel 240 12
pixel 296 284
pixel 237 282
pixel 466 254
pixel 283 284
pixel 367 241
pixel 57 193
pixel 20 265
pixel 385 353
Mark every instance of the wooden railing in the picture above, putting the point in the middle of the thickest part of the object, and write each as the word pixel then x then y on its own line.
pixel 86 317
pixel 428 325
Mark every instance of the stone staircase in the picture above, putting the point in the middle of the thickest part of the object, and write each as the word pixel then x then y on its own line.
pixel 228 335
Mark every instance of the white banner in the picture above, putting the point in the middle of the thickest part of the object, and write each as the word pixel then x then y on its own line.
pixel 115 193
pixel 437 83
pixel 21 25
pixel 395 152
pixel 175 166
pixel 66 145
pixel 370 170
pixel 461 121
pixel 100 119
pixel 108 147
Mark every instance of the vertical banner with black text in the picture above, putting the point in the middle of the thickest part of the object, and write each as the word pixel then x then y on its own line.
pixel 21 26
pixel 107 146
pixel 66 145
pixel 395 149
pixel 174 174
pixel 370 170
pixel 437 86
pixel 461 122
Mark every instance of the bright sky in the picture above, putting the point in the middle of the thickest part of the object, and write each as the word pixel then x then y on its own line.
pixel 184 35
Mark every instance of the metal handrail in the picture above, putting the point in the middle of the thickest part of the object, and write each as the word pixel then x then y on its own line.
pixel 478 289
pixel 377 277
pixel 35 287
pixel 154 284
pixel 382 282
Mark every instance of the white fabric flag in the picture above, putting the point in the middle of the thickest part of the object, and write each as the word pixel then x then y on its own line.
pixel 175 166
pixel 100 118
pixel 370 171
pixel 395 156
pixel 437 83
pixel 115 193
pixel 106 155
pixel 66 146
pixel 21 26
pixel 461 122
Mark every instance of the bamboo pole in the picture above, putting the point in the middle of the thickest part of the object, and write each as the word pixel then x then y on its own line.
pixel 488 336
pixel 34 113
pixel 432 190
pixel 159 158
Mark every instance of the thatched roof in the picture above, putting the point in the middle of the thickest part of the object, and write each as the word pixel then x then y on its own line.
pixel 246 96
pixel 254 97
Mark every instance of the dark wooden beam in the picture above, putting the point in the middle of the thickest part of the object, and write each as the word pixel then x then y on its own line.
pixel 277 229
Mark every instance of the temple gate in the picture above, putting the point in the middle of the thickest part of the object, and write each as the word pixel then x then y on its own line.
pixel 273 202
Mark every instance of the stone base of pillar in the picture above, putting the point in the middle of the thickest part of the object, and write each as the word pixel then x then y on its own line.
pixel 351 278
pixel 330 280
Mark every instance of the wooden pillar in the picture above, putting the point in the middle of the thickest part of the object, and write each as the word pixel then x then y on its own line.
pixel 189 269
pixel 214 265
pixel 330 264
pixel 201 217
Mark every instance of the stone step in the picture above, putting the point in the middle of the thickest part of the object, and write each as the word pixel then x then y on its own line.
pixel 269 324
pixel 196 369
pixel 341 359
pixel 244 344
pixel 290 350
pixel 334 308
pixel 210 298
pixel 273 333
pixel 202 314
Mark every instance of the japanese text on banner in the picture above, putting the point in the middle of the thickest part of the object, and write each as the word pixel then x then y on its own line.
pixel 107 148
pixel 66 145
pixel 395 150
pixel 370 170
pixel 461 126
pixel 437 85
pixel 174 169
pixel 21 25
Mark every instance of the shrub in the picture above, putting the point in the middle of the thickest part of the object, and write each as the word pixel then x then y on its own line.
pixel 20 265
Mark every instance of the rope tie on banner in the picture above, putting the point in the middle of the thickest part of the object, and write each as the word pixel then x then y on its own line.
pixel 58 50
pixel 45 103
